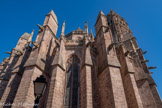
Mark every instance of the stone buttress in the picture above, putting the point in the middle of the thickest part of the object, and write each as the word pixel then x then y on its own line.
pixel 108 71
pixel 13 63
pixel 109 75
pixel 38 63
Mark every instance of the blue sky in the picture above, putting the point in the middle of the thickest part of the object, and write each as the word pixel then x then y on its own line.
pixel 144 18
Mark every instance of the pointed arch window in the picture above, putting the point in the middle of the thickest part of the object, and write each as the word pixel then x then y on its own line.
pixel 72 83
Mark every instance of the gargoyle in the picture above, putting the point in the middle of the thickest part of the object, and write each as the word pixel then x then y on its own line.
pixel 35 44
pixel 151 72
pixel 144 61
pixel 152 67
pixel 8 52
pixel 17 52
pixel 110 47
pixel 144 52
pixel 128 52
pixel 40 27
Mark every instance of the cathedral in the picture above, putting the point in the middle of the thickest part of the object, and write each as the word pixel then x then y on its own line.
pixel 78 69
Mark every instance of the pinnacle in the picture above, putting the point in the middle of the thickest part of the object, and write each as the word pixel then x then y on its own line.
pixel 112 12
pixel 64 22
pixel 32 31
pixel 86 27
pixel 25 36
pixel 63 28
pixel 79 29
pixel 31 36
pixel 91 31
pixel 53 14
pixel 111 9
pixel 92 37
pixel 86 23
pixel 101 12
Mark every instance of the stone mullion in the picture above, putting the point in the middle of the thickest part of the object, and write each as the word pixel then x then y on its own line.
pixel 71 89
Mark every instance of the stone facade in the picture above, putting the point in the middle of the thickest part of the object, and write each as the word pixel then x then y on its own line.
pixel 108 71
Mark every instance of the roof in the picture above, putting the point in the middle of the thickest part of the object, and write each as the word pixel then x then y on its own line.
pixel 78 31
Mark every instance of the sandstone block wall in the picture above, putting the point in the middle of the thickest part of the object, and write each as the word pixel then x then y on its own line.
pixel 111 69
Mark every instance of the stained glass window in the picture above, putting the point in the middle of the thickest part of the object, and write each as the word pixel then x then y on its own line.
pixel 72 83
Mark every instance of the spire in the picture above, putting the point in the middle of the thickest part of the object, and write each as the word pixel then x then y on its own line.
pixel 63 29
pixel 86 27
pixel 31 36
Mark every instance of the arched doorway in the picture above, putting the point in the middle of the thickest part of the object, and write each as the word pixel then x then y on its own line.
pixel 72 83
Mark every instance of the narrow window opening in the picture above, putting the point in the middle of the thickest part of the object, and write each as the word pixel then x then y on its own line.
pixel 72 83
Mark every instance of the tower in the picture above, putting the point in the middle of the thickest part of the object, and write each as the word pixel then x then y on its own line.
pixel 81 71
